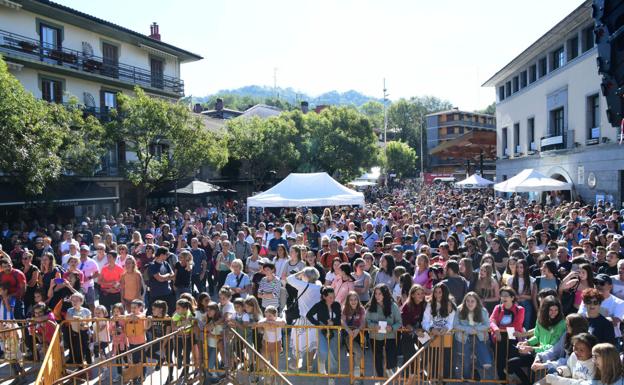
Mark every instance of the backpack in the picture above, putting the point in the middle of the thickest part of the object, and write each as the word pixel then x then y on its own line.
pixel 292 305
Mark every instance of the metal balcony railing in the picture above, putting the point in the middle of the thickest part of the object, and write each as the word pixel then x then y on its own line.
pixel 26 47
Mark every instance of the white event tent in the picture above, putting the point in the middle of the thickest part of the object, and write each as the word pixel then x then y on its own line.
pixel 474 181
pixel 306 190
pixel 530 180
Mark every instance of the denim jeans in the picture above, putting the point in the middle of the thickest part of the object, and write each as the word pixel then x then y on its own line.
pixel 325 351
pixel 212 358
pixel 464 353
pixel 528 323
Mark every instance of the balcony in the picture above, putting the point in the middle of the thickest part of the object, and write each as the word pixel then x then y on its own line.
pixel 23 47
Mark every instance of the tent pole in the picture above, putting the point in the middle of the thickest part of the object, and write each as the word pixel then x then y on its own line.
pixel 247 214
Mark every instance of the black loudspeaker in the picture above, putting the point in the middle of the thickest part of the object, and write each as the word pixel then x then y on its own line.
pixel 609 33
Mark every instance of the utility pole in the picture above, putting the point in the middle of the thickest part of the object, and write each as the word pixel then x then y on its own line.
pixel 422 153
pixel 385 99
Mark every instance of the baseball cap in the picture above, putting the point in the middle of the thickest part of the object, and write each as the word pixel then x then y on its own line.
pixel 85 248
pixel 603 278
pixel 397 249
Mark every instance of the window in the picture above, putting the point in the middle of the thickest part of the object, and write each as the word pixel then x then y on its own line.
pixel 532 73
pixel 523 79
pixel 156 67
pixel 504 142
pixel 450 130
pixel 508 88
pixel 516 84
pixel 556 122
pixel 501 93
pixel 573 48
pixel 110 58
pixel 543 69
pixel 557 58
pixel 531 134
pixel 587 39
pixel 516 138
pixel 109 99
pixel 52 90
pixel 50 38
pixel 461 130
pixel 593 116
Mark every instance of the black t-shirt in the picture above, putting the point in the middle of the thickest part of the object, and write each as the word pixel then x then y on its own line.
pixel 602 329
pixel 158 289
pixel 183 276
pixel 608 270
pixel 408 266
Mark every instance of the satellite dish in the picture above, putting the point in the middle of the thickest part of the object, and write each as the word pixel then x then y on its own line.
pixel 89 100
pixel 87 50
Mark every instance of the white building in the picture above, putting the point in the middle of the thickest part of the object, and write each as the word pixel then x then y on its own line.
pixel 551 115
pixel 57 52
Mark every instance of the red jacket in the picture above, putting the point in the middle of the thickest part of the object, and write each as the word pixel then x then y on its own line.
pixel 497 316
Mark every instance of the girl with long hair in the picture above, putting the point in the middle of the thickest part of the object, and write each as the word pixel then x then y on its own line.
pixel 577 281
pixel 412 314
pixel 471 325
pixel 438 319
pixel 508 314
pixel 384 318
pixel 386 269
pixel 609 366
pixel 487 287
pixel 523 284
pixel 549 328
pixel 353 321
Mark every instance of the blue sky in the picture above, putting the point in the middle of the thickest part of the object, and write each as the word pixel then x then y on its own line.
pixel 443 48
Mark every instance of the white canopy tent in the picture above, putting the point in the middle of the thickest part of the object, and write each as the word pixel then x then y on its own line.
pixel 530 180
pixel 197 187
pixel 309 190
pixel 361 183
pixel 474 181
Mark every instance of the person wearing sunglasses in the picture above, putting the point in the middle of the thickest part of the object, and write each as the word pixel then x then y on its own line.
pixel 599 326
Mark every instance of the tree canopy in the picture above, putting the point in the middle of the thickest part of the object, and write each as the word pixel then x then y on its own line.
pixel 41 141
pixel 400 158
pixel 143 122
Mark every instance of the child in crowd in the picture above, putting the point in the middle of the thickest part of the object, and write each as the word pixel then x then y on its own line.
pixel 200 322
pixel 214 328
pixel 396 278
pixel 79 330
pixel 272 342
pixel 101 335
pixel 42 328
pixel 119 338
pixel 160 326
pixel 10 345
pixel 579 367
pixel 253 311
pixel 135 331
pixel 183 318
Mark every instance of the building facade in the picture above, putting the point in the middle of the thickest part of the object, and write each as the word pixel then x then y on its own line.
pixel 551 115
pixel 450 125
pixel 57 52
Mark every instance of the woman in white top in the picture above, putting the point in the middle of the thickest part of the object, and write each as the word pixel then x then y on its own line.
pixel 438 320
pixel 308 293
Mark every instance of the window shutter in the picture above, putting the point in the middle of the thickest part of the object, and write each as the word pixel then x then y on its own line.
pixel 58 92
pixel 45 91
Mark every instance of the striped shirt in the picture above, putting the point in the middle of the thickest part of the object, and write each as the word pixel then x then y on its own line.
pixel 272 287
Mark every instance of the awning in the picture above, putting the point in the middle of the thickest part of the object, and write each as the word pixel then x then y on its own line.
pixel 65 194
pixel 468 146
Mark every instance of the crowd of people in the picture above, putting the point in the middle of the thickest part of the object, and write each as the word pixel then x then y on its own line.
pixel 523 286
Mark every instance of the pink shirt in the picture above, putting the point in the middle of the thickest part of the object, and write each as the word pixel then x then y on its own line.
pixel 342 289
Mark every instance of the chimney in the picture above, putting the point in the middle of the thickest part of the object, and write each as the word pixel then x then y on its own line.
pixel 197 108
pixel 219 104
pixel 154 34
pixel 304 107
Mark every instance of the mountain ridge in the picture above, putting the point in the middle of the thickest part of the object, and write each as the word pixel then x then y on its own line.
pixel 292 96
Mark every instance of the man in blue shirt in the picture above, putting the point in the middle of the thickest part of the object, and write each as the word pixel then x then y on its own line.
pixel 160 276
pixel 277 239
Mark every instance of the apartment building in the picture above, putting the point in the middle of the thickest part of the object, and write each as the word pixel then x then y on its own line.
pixel 455 143
pixel 57 52
pixel 551 115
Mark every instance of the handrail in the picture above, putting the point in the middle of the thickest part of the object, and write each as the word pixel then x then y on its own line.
pixel 88 62
pixel 403 370
pixel 49 364
pixel 259 355
pixel 129 352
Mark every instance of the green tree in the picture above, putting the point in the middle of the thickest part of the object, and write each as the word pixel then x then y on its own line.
pixel 374 111
pixel 264 146
pixel 143 122
pixel 400 158
pixel 406 118
pixel 41 141
pixel 341 143
pixel 490 110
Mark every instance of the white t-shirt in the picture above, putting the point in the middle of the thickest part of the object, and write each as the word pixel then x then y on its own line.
pixel 65 245
pixel 88 268
pixel 618 287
